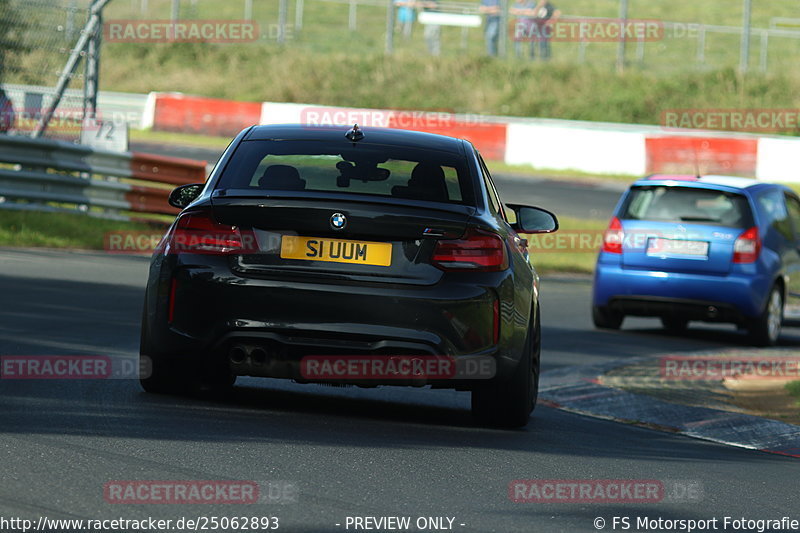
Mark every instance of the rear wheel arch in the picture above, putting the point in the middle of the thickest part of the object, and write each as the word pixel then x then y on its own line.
pixel 510 403
pixel 780 282
pixel 765 329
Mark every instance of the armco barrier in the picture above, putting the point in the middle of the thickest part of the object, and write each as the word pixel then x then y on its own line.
pixel 171 170
pixel 49 175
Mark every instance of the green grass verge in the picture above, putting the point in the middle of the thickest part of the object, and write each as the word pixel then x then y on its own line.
pixel 182 139
pixel 499 167
pixel 476 85
pixel 573 249
pixel 61 230
pixel 793 388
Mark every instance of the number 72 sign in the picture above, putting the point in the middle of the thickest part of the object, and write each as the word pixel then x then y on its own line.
pixel 109 135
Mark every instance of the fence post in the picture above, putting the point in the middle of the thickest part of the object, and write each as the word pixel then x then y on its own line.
pixel 92 81
pixel 640 51
pixel 701 45
pixel 298 15
pixel 176 10
pixel 503 44
pixel 623 15
pixel 70 26
pixel 351 16
pixel 744 60
pixel 389 27
pixel 764 50
pixel 282 9
pixel 248 9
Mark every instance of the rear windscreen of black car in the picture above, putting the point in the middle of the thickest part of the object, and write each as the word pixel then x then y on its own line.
pixel 687 205
pixel 364 169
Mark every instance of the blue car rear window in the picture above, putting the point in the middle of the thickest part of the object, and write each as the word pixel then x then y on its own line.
pixel 687 205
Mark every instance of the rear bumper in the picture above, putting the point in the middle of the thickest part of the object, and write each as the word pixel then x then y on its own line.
pixel 736 297
pixel 442 319
pixel 215 311
pixel 676 308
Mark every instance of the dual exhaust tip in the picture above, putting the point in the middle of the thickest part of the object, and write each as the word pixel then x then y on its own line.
pixel 238 355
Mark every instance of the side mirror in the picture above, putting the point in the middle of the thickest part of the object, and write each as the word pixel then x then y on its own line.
pixel 533 219
pixel 185 194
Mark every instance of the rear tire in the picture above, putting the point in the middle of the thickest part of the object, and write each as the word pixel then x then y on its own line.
pixel 674 324
pixel 217 379
pixel 766 329
pixel 604 318
pixel 167 378
pixel 162 376
pixel 509 404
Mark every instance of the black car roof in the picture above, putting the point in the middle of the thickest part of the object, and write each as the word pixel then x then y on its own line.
pixel 335 134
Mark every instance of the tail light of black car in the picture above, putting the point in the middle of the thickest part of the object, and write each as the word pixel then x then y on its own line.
pixel 477 250
pixel 197 232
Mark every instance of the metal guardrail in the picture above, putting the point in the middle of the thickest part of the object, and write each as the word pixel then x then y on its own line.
pixel 51 175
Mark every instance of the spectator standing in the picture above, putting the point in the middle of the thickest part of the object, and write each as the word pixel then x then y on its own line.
pixel 405 16
pixel 524 26
pixel 545 15
pixel 433 32
pixel 491 9
pixel 7 117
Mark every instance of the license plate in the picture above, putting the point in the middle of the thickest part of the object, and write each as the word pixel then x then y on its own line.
pixel 336 250
pixel 658 246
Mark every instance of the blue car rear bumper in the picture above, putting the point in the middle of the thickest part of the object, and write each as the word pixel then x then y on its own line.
pixel 631 289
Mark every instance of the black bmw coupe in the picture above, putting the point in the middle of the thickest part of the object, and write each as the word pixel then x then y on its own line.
pixel 348 256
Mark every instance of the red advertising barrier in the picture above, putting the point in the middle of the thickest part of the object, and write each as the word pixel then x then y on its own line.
pixel 701 155
pixel 206 116
pixel 488 138
pixel 211 116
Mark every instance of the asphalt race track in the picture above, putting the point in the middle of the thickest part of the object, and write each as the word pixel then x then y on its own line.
pixel 348 452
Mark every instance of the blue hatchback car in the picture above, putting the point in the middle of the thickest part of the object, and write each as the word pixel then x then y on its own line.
pixel 710 248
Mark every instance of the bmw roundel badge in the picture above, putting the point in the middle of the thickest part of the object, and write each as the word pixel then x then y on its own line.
pixel 338 221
